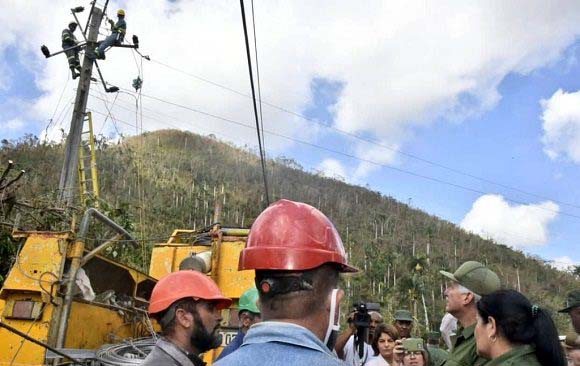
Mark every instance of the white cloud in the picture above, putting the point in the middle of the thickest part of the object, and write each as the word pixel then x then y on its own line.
pixel 491 216
pixel 12 125
pixel 564 263
pixel 561 124
pixel 402 64
pixel 332 168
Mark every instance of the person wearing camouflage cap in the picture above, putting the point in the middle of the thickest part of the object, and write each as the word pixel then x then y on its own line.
pixel 411 352
pixel 437 355
pixel 573 309
pixel 403 323
pixel 468 283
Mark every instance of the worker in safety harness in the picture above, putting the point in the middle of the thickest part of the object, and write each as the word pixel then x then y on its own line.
pixel 297 255
pixel 248 315
pixel 69 40
pixel 187 304
pixel 118 31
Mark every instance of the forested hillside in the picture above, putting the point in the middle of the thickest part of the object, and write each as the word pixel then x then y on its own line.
pixel 170 179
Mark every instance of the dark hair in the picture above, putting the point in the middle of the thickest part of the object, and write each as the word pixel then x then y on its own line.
pixel 380 329
pixel 520 322
pixel 188 304
pixel 297 304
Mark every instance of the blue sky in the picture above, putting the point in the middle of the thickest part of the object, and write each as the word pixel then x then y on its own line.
pixel 458 84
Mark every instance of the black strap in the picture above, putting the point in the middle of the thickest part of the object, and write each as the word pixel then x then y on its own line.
pixel 277 285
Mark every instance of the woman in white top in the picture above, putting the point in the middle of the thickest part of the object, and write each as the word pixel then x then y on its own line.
pixel 383 344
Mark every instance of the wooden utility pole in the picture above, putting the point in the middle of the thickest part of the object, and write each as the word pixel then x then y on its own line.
pixel 69 173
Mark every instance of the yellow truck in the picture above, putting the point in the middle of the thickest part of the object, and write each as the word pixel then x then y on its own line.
pixel 61 296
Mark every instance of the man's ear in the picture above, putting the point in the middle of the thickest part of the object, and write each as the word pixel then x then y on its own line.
pixel 184 318
pixel 468 298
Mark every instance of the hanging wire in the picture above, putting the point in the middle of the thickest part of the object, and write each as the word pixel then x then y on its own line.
pixel 258 80
pixel 262 155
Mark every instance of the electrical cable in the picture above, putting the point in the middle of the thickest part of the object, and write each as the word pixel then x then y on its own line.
pixel 258 79
pixel 57 105
pixel 130 352
pixel 354 157
pixel 262 155
pixel 370 140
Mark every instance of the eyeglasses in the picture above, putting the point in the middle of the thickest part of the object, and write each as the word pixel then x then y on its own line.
pixel 413 353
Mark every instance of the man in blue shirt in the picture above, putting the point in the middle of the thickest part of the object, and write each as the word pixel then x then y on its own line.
pixel 297 255
pixel 248 314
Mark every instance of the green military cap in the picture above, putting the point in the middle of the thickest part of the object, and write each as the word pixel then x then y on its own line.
pixel 572 301
pixel 433 336
pixel 475 277
pixel 403 315
pixel 414 344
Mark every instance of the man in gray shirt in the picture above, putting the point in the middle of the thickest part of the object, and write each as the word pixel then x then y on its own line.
pixel 187 304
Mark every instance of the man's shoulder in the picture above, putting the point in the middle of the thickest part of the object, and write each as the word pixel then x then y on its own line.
pixel 158 357
pixel 276 353
pixel 465 354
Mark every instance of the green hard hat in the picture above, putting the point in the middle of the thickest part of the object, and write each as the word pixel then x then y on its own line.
pixel 248 301
pixel 404 315
pixel 572 301
pixel 414 344
pixel 475 277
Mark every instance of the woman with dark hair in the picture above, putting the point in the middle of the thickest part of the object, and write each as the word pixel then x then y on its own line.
pixel 510 330
pixel 383 344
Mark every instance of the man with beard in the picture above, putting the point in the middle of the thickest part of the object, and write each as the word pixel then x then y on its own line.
pixel 187 304
pixel 298 256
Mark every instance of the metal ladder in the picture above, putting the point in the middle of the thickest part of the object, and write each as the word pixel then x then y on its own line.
pixel 89 186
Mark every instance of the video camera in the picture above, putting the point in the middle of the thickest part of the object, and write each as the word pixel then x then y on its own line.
pixel 362 321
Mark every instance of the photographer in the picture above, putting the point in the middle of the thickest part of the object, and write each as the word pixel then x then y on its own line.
pixel 410 352
pixel 362 323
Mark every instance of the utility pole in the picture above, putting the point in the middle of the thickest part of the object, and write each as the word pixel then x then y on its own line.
pixel 69 173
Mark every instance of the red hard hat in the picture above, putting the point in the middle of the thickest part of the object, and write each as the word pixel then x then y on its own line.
pixel 183 284
pixel 293 236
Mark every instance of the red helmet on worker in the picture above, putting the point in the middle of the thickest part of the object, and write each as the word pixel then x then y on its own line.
pixel 293 236
pixel 185 284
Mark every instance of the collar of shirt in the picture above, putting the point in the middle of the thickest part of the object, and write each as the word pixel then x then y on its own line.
pixel 462 334
pixel 516 352
pixel 271 331
pixel 184 358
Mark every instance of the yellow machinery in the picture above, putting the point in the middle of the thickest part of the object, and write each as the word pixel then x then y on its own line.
pixel 40 300
pixel 215 253
pixel 32 301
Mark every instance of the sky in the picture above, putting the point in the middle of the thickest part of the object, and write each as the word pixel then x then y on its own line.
pixel 469 111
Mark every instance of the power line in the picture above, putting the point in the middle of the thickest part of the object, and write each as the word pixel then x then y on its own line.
pixel 370 140
pixel 323 148
pixel 258 78
pixel 262 155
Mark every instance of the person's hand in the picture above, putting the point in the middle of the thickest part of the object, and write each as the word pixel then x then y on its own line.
pixel 111 22
pixel 398 353
pixel 351 326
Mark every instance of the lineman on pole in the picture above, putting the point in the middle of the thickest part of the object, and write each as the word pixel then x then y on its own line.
pixel 118 31
pixel 297 255
pixel 187 304
pixel 68 41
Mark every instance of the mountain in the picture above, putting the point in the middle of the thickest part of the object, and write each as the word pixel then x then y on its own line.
pixel 160 181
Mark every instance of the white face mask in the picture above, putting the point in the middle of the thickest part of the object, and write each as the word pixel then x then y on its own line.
pixel 333 321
